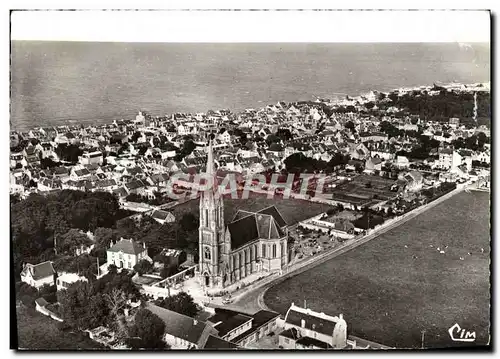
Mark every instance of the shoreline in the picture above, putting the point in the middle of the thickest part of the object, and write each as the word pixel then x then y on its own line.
pixel 260 288
pixel 333 100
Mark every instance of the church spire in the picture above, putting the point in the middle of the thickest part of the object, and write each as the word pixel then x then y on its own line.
pixel 210 159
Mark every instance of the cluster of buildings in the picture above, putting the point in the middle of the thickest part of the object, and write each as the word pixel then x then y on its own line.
pixel 138 157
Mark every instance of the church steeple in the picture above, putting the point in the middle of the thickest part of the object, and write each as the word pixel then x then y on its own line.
pixel 210 159
pixel 212 251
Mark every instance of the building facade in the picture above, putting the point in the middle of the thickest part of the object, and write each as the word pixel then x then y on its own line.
pixel 253 242
pixel 126 253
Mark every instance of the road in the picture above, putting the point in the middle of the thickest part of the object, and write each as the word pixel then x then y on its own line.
pixel 253 299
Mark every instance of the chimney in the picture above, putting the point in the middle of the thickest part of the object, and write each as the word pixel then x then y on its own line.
pixel 302 323
pixel 341 317
pixel 144 245
pixel 110 243
pixel 195 322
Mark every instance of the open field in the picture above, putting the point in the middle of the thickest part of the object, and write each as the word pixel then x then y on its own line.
pixel 399 284
pixel 38 332
pixel 292 210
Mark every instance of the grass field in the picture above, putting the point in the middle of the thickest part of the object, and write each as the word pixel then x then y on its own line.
pixel 292 210
pixel 387 295
pixel 38 332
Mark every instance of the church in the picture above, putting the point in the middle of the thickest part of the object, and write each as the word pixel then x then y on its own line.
pixel 252 242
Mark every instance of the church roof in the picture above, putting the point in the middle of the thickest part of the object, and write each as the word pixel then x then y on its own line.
pixel 273 211
pixel 248 226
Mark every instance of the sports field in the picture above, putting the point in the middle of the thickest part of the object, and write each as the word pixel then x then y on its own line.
pixel 399 284
pixel 292 210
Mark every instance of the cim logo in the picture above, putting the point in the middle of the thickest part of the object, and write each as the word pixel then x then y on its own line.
pixel 458 334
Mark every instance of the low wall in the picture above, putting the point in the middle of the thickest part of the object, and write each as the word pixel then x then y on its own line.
pixel 48 313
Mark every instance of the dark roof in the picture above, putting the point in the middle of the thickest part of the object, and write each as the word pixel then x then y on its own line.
pixel 273 211
pixel 291 333
pixel 82 172
pixel 120 192
pixel 182 326
pixel 106 183
pixel 41 302
pixel 312 322
pixel 159 214
pixel 308 342
pixel 128 246
pixel 227 323
pixel 218 343
pixel 243 231
pixel 60 170
pixel 262 317
pixel 39 271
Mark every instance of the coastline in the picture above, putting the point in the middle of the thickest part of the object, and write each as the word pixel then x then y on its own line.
pixel 333 100
pixel 253 295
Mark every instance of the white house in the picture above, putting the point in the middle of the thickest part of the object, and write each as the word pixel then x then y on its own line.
pixel 126 253
pixel 448 159
pixel 39 274
pixel 89 158
pixel 64 280
pixel 312 330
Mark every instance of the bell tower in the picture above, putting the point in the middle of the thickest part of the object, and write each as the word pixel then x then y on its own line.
pixel 212 256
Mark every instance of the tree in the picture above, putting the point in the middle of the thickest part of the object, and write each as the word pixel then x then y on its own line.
pixel 272 139
pixel 69 242
pixel 112 269
pixel 284 134
pixel 116 300
pixel 188 147
pixel 143 266
pixel 75 304
pixel 181 303
pixel 350 126
pixel 189 222
pixel 48 292
pixel 149 329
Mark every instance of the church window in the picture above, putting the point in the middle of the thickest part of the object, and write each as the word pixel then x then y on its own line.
pixel 206 253
pixel 241 259
pixel 283 251
pixel 247 255
pixel 252 253
pixel 264 250
pixel 274 250
pixel 234 262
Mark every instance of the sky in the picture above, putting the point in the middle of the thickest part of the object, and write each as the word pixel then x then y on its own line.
pixel 252 26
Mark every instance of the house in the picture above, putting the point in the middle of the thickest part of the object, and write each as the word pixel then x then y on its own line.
pixel 162 216
pixel 39 274
pixel 448 159
pixel 92 158
pixel 174 257
pixel 240 327
pixel 402 162
pixel 224 137
pixel 358 151
pixel 307 329
pixel 126 253
pixel 64 280
pixel 79 173
pixel 183 332
pixel 373 164
pixel 414 181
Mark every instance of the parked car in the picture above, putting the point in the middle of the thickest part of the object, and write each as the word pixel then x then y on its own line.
pixel 227 300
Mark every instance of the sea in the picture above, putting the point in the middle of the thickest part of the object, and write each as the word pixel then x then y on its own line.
pixel 61 83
